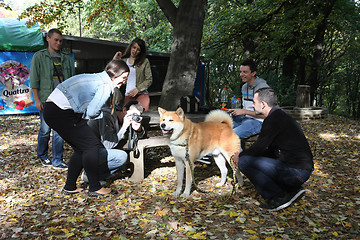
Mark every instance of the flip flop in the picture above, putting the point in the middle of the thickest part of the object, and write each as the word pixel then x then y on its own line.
pixel 96 194
pixel 66 192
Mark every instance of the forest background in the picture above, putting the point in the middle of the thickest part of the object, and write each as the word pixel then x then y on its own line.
pixel 294 42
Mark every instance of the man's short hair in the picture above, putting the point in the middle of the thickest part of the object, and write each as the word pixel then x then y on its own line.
pixel 52 31
pixel 134 103
pixel 251 64
pixel 267 95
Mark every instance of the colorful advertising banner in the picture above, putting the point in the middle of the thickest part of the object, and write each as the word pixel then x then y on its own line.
pixel 16 94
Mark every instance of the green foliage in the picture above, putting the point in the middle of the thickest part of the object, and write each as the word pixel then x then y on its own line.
pixel 341 92
pixel 128 19
pixel 224 74
pixel 284 86
pixel 339 89
pixel 49 12
pixel 116 20
pixel 284 36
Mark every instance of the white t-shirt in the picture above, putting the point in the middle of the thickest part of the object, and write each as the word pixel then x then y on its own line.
pixel 59 99
pixel 131 81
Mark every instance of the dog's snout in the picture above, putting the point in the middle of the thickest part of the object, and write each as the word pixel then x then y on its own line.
pixel 163 125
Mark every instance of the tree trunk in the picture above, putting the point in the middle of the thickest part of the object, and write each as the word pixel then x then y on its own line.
pixel 318 41
pixel 185 49
pixel 301 71
pixel 303 96
pixel 289 66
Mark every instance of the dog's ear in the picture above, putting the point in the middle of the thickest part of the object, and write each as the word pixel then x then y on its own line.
pixel 161 110
pixel 180 113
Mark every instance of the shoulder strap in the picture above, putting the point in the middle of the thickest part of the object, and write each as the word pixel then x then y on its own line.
pixel 56 71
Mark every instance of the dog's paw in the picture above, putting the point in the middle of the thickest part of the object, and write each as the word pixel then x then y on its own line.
pixel 220 184
pixel 176 193
pixel 185 195
pixel 239 184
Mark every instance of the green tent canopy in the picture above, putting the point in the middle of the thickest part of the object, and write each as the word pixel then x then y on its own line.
pixel 15 36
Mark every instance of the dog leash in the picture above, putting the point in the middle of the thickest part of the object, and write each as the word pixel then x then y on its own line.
pixel 235 186
pixel 187 157
pixel 133 139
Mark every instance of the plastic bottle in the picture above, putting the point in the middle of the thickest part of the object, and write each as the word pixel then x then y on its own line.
pixel 234 102
pixel 224 98
pixel 238 103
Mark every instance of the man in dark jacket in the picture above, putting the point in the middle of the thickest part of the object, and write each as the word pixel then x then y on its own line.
pixel 280 161
pixel 112 128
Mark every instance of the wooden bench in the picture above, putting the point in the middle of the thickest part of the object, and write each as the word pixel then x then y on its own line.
pixel 154 94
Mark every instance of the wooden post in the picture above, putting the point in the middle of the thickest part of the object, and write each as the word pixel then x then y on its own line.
pixel 303 96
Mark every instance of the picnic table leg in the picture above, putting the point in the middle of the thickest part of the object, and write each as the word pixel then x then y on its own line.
pixel 138 161
pixel 137 158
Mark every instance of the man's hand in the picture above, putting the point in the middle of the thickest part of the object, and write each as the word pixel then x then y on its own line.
pixel 237 112
pixel 128 120
pixel 136 126
pixel 236 158
pixel 133 92
pixel 243 112
pixel 39 105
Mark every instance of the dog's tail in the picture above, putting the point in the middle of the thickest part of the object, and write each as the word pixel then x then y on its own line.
pixel 219 116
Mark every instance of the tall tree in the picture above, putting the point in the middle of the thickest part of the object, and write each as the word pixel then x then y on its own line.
pixel 187 20
pixel 318 43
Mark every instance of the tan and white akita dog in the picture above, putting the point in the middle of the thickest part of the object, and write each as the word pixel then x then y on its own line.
pixel 214 136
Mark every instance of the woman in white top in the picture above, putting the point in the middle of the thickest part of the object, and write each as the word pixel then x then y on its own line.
pixel 140 77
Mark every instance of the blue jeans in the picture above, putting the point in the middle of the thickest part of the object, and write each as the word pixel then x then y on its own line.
pixel 43 143
pixel 110 161
pixel 245 127
pixel 271 176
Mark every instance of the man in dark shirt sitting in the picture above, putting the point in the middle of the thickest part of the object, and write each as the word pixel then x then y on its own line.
pixel 280 161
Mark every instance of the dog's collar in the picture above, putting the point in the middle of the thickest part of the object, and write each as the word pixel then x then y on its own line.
pixel 186 143
pixel 183 144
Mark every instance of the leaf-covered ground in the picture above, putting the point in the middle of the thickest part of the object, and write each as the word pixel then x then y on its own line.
pixel 31 206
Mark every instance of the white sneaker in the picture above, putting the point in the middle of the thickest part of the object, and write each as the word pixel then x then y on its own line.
pixel 61 166
pixel 46 162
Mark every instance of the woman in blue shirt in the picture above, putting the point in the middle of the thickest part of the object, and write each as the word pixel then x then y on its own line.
pixel 67 110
